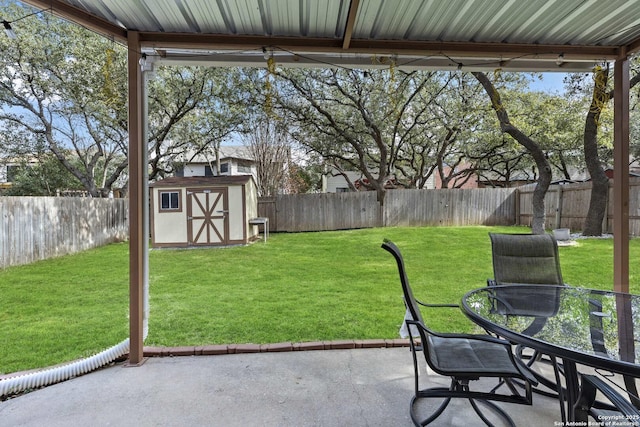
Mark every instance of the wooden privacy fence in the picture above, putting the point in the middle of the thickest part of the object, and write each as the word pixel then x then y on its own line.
pixel 36 228
pixel 341 211
pixel 485 206
pixel 566 206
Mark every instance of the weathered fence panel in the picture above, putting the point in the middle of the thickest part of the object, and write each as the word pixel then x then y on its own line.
pixel 37 228
pixel 322 212
pixel 338 211
pixel 634 207
pixel 566 206
pixel 491 206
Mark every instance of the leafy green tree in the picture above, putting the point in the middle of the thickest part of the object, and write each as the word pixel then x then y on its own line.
pixel 64 88
pixel 192 110
pixel 369 121
pixel 56 80
pixel 46 177
pixel 460 130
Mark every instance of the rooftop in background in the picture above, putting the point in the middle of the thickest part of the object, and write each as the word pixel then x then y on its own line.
pixel 238 152
pixel 201 180
pixel 541 35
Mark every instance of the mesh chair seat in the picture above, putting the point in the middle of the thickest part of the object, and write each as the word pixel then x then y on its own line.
pixel 460 356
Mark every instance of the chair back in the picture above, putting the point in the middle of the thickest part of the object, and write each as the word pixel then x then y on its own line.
pixel 525 259
pixel 409 299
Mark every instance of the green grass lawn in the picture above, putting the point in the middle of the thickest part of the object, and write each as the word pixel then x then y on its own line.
pixel 297 287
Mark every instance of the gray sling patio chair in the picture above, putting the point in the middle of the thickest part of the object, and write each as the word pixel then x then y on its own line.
pixel 462 357
pixel 529 259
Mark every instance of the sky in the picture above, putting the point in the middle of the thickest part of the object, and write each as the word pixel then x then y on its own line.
pixel 551 82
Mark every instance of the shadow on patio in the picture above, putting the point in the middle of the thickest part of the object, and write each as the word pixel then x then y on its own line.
pixel 357 387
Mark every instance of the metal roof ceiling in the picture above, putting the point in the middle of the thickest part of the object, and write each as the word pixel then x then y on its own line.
pixel 473 34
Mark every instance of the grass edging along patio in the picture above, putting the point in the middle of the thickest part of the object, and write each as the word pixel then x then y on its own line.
pixel 220 349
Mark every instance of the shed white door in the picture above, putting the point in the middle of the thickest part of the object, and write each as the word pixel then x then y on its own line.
pixel 208 216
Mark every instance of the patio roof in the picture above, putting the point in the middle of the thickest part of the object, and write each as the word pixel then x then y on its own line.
pixel 514 35
pixel 537 35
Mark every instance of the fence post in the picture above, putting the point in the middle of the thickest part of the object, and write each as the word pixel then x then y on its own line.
pixel 517 207
pixel 559 206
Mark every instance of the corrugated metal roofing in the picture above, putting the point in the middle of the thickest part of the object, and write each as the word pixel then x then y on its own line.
pixel 529 32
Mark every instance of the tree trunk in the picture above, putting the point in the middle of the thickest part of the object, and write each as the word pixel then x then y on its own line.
pixel 544 168
pixel 599 181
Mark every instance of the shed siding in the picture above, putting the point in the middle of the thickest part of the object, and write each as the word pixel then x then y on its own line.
pixel 236 215
pixel 169 227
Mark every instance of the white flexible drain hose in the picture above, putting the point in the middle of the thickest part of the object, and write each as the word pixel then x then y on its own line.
pixel 64 372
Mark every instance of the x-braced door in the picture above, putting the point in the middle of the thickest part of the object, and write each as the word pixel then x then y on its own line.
pixel 207 216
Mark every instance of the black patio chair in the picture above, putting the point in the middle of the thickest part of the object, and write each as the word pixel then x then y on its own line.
pixel 462 357
pixel 530 259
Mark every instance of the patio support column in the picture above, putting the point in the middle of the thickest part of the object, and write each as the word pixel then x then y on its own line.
pixel 621 176
pixel 137 239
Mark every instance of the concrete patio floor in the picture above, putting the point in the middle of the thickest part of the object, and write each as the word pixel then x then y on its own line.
pixel 356 387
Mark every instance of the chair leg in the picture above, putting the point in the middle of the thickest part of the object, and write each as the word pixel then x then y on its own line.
pixel 538 357
pixel 460 386
pixel 558 391
pixel 495 408
pixel 436 413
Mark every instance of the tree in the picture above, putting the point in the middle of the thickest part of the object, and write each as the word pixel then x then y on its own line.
pixel 600 97
pixel 599 181
pixel 192 110
pixel 534 149
pixel 373 122
pixel 64 88
pixel 270 147
pixel 462 134
pixel 56 80
pixel 44 178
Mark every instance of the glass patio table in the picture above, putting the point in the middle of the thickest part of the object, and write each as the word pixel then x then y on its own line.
pixel 591 327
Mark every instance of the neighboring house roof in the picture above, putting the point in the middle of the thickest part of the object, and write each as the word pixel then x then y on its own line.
pixel 609 173
pixel 178 181
pixel 226 152
pixel 577 175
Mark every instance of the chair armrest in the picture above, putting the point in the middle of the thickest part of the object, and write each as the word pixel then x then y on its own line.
pixel 487 338
pixel 424 304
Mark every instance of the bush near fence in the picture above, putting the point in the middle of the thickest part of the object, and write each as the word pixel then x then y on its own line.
pixel 37 228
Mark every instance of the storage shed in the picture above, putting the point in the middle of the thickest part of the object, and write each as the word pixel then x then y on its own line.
pixel 203 211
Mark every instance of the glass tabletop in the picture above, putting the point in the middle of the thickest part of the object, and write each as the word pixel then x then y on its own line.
pixel 599 328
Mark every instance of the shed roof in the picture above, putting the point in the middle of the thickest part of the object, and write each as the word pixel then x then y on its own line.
pixel 543 35
pixel 178 181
